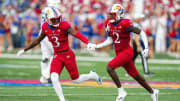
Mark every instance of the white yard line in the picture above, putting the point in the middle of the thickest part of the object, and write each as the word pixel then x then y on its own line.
pixel 94 94
pixel 95 59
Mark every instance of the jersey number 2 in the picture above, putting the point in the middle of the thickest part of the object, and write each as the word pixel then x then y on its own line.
pixel 56 41
pixel 117 37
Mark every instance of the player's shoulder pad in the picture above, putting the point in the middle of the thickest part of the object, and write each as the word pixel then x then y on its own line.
pixel 127 22
pixel 44 25
pixel 65 25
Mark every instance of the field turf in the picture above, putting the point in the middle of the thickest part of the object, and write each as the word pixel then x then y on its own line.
pixel 29 69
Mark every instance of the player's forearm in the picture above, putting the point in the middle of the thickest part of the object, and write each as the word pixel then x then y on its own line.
pixel 137 40
pixel 144 38
pixel 33 44
pixel 108 41
pixel 81 37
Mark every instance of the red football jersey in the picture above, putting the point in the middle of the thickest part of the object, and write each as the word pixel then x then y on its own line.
pixel 119 34
pixel 57 36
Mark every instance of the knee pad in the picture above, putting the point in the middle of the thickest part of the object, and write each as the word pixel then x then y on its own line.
pixel 45 60
pixel 54 76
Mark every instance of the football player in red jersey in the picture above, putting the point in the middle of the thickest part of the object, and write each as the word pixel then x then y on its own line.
pixel 57 32
pixel 118 30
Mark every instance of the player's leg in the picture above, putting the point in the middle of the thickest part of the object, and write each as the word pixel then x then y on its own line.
pixel 121 59
pixel 56 68
pixel 91 75
pixel 1 41
pixel 132 71
pixel 71 66
pixel 46 54
pixel 145 64
pixel 134 51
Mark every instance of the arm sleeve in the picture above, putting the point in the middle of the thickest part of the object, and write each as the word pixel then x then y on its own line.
pixel 82 38
pixel 108 41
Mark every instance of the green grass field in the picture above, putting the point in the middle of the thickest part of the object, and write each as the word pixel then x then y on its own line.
pixel 29 69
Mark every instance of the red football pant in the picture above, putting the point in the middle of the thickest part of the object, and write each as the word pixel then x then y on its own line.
pixel 66 59
pixel 124 59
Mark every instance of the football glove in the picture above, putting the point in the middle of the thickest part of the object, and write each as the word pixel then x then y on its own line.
pixel 91 46
pixel 145 52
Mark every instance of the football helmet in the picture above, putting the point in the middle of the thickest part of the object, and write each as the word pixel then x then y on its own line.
pixel 54 3
pixel 53 16
pixel 115 12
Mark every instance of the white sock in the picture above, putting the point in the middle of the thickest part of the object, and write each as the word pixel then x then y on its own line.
pixel 82 78
pixel 44 66
pixel 47 70
pixel 57 86
pixel 121 90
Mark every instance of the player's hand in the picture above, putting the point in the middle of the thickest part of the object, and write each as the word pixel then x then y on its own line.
pixel 91 46
pixel 146 52
pixel 19 53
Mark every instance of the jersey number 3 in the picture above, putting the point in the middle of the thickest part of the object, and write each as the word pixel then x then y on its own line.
pixel 55 40
pixel 117 37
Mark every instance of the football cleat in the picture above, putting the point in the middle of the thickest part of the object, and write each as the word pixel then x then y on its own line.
pixel 149 74
pixel 43 80
pixel 97 77
pixel 121 96
pixel 155 94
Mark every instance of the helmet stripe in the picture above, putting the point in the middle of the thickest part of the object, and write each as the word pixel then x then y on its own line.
pixel 55 13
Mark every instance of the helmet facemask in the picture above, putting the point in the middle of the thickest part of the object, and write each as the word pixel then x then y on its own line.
pixel 55 21
pixel 113 17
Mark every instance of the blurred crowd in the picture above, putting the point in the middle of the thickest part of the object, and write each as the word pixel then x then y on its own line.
pixel 160 19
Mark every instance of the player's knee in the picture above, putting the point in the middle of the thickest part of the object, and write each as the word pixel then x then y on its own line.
pixel 109 69
pixel 139 78
pixel 54 76
pixel 45 60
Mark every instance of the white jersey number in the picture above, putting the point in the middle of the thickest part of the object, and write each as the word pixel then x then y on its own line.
pixel 56 41
pixel 117 37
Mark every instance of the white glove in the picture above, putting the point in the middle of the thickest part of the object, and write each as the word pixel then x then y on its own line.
pixel 19 53
pixel 145 52
pixel 91 46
